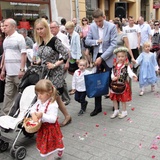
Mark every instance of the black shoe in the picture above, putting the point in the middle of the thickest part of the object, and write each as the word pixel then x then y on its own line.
pixel 85 106
pixel 95 112
pixel 80 112
pixel 106 96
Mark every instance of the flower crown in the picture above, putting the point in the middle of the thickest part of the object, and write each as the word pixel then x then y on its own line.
pixel 120 49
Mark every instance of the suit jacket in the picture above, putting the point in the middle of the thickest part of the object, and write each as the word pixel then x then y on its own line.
pixel 75 46
pixel 109 41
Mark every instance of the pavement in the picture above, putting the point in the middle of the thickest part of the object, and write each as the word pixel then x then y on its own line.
pixel 136 137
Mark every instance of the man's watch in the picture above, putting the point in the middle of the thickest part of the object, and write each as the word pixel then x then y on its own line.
pixel 22 69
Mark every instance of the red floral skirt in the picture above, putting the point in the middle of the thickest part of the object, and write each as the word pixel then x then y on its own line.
pixel 124 97
pixel 49 138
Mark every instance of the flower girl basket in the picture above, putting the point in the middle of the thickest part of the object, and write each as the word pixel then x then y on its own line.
pixel 31 126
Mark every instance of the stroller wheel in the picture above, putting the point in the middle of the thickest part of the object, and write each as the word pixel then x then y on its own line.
pixel 1 141
pixel 3 146
pixel 20 153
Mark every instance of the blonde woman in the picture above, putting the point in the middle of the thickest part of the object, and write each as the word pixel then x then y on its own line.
pixel 49 49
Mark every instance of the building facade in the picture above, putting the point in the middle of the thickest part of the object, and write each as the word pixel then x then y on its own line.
pixel 56 9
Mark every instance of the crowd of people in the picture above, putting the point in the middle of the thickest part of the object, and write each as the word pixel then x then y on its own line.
pixel 116 46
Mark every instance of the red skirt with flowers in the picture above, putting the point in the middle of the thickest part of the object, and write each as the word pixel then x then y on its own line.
pixel 124 97
pixel 49 138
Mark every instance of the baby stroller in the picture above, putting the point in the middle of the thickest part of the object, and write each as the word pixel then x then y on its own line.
pixel 20 109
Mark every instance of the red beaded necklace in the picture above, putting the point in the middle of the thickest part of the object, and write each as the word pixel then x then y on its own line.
pixel 118 69
pixel 45 108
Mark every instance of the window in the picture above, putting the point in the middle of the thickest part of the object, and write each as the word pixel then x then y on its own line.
pixel 91 5
pixel 23 11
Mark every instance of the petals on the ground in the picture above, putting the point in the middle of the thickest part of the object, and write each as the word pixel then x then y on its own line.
pixel 97 125
pixel 105 113
pixel 154 146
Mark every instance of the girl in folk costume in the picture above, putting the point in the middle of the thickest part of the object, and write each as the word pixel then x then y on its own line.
pixel 49 137
pixel 120 72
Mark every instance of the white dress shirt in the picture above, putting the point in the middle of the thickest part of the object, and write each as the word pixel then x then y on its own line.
pixel 64 39
pixel 100 32
pixel 78 82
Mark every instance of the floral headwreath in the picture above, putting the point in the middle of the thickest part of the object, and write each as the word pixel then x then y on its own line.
pixel 120 49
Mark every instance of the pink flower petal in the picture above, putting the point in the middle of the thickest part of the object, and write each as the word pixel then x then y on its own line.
pixel 153 157
pixel 154 146
pixel 132 108
pixel 105 134
pixel 158 137
pixel 140 145
pixel 128 119
pixel 105 113
pixel 97 125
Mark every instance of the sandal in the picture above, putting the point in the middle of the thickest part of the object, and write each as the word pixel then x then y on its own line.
pixel 66 121
pixel 72 92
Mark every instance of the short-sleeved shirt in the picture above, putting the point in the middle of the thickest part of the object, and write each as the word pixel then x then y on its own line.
pixel 131 33
pixel 13 46
pixel 120 41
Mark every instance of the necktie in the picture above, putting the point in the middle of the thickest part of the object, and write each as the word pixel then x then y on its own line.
pixel 79 72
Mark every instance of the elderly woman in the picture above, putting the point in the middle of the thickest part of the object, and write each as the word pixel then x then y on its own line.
pixel 49 50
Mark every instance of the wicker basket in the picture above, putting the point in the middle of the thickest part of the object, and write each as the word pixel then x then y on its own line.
pixel 30 126
pixel 118 87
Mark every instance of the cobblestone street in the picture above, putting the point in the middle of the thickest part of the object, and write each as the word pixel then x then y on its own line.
pixel 136 137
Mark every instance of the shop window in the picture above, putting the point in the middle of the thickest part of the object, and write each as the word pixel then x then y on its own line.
pixel 24 13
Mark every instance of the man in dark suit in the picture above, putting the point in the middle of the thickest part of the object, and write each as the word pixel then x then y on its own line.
pixel 103 37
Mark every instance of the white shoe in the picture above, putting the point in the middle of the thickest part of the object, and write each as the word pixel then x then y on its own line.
pixel 141 93
pixel 122 115
pixel 115 114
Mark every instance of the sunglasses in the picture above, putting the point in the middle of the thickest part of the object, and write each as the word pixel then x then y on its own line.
pixel 156 24
pixel 84 20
